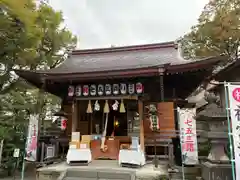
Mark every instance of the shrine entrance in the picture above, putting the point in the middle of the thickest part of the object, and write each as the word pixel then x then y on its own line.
pixel 117 124
pixel 103 117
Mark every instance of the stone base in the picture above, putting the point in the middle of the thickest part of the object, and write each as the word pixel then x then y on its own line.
pixel 190 173
pixel 101 169
pixel 211 171
pixel 217 152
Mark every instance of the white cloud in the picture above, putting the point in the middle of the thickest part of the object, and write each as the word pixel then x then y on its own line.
pixel 102 23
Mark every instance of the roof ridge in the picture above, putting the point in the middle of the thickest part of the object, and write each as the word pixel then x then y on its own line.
pixel 170 44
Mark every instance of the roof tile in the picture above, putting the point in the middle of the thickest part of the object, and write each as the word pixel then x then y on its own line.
pixel 120 59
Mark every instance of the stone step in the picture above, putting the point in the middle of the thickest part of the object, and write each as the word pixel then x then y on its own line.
pixel 179 176
pixel 80 178
pixel 77 178
pixel 98 175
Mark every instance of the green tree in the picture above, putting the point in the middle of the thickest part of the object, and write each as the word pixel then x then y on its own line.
pixel 31 37
pixel 216 33
pixel 55 42
pixel 19 37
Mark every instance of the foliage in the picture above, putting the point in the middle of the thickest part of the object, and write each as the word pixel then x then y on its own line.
pixel 216 33
pixel 18 36
pixel 31 37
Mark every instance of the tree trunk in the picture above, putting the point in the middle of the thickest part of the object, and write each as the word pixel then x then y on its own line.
pixel 1 151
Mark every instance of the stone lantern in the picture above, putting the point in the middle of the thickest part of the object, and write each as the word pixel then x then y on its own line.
pixel 218 163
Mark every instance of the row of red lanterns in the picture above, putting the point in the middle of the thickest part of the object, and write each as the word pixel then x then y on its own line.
pixel 106 89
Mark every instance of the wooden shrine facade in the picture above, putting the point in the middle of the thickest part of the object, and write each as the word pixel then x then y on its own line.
pixel 158 68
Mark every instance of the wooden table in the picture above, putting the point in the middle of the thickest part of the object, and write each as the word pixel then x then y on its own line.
pixel 111 152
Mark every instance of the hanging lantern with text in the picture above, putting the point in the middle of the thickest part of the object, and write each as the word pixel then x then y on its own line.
pixel 106 89
pixel 70 91
pixel 85 90
pixel 62 123
pixel 78 91
pixel 139 88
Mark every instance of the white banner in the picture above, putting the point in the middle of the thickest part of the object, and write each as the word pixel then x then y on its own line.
pixel 234 105
pixel 31 143
pixel 188 135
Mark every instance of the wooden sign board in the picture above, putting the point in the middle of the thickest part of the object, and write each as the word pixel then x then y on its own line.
pixel 166 118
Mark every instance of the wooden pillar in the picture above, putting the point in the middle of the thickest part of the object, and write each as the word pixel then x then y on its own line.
pixel 161 75
pixel 161 87
pixel 74 116
pixel 140 112
pixel 91 123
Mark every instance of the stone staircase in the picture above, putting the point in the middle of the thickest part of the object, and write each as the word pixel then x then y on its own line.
pixel 102 170
pixel 73 174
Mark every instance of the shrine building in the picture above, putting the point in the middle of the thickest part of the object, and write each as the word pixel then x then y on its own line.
pixel 110 92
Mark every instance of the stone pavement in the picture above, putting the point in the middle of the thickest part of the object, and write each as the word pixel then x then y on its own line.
pixel 101 169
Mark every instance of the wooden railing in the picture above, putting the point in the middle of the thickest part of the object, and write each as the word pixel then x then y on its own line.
pixel 165 135
pixel 163 139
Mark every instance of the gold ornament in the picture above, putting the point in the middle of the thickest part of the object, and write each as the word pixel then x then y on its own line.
pixel 89 108
pixel 106 107
pixel 122 108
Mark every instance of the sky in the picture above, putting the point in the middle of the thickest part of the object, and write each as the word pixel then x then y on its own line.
pixel 102 23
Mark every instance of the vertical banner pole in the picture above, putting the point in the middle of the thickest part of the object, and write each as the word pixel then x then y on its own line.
pixel 24 155
pixel 38 111
pixel 229 128
pixel 178 119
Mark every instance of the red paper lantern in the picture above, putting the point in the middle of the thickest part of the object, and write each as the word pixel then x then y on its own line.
pixel 85 90
pixel 63 124
pixel 139 88
pixel 70 91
